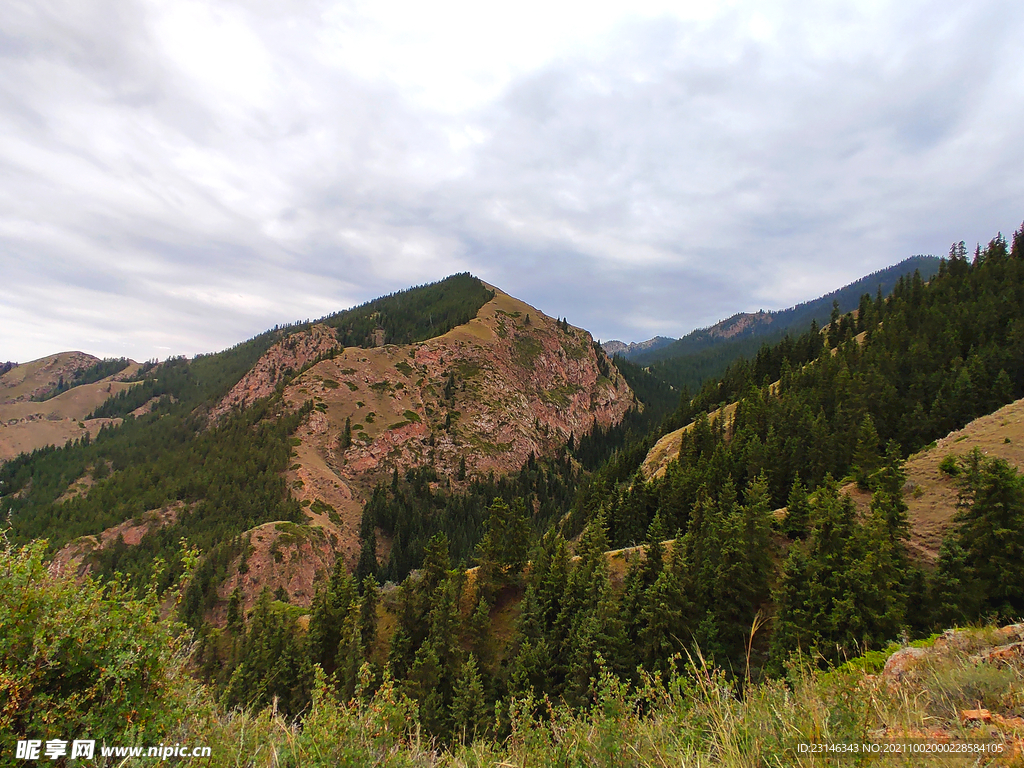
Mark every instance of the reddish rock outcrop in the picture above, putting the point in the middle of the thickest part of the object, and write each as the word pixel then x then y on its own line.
pixel 292 353
pixel 74 555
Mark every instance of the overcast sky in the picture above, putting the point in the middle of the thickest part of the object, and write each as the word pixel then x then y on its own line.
pixel 178 176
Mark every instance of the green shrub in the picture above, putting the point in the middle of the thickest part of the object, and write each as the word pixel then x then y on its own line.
pixel 950 466
pixel 83 661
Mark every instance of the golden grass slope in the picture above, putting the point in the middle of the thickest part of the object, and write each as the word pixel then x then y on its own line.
pixel 26 425
pixel 931 495
pixel 666 450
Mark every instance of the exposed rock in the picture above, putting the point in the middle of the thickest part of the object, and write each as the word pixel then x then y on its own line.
pixel 627 351
pixel 980 646
pixel 74 555
pixel 902 662
pixel 507 384
pixel 975 716
pixel 281 556
pixel 1003 654
pixel 291 354
pixel 739 324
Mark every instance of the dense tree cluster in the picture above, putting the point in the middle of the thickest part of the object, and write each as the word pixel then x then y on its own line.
pixel 701 356
pixel 412 315
pixel 413 508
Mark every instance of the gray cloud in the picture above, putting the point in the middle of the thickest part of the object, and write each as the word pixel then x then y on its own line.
pixel 177 177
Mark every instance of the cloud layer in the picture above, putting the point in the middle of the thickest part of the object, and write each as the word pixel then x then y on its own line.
pixel 178 176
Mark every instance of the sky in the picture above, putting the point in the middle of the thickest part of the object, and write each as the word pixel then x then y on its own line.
pixel 177 176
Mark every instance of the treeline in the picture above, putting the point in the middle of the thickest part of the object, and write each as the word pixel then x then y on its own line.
pixel 412 315
pixel 909 369
pixel 846 586
pixel 792 320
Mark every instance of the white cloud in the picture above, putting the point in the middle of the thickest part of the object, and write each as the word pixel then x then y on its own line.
pixel 215 168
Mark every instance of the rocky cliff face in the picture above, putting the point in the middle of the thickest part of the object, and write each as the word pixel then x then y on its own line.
pixel 291 354
pixel 509 383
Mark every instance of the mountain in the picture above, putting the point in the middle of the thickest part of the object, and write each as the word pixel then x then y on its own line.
pixel 745 325
pixel 477 401
pixel 48 401
pixel 631 350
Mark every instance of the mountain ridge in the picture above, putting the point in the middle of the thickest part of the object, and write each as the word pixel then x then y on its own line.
pixel 766 323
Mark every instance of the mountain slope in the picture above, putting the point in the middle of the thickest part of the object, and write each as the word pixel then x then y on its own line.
pixel 477 401
pixel 480 399
pixel 745 325
pixel 636 348
pixel 28 422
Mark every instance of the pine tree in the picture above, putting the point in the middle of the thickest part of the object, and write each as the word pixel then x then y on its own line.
pixel 236 619
pixel 469 706
pixel 865 458
pixel 987 545
pixel 350 654
pixel 795 524
pixel 793 628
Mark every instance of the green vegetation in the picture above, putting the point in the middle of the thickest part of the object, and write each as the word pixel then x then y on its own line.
pixel 980 570
pixel 83 658
pixel 692 714
pixel 701 356
pixel 526 349
pixel 410 512
pixel 412 315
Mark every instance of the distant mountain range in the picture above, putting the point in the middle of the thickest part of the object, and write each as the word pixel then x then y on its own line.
pixel 628 351
pixel 773 324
